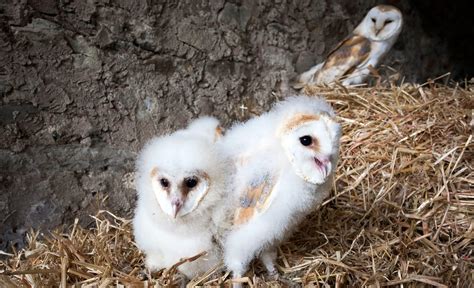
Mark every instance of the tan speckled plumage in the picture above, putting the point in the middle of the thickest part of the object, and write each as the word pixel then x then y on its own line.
pixel 353 59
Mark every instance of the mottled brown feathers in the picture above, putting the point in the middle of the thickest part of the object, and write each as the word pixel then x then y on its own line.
pixel 219 132
pixel 255 199
pixel 347 55
pixel 298 120
pixel 386 8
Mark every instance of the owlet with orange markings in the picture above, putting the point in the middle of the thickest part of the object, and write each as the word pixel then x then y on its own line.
pixel 284 162
pixel 180 181
pixel 353 59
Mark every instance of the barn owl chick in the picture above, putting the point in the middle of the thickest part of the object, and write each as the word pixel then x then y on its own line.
pixel 361 51
pixel 284 161
pixel 180 178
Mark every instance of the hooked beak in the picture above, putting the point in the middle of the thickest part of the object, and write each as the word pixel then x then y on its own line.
pixel 377 30
pixel 176 204
pixel 323 165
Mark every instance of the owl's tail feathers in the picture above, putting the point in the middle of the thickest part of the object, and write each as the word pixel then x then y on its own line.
pixel 305 78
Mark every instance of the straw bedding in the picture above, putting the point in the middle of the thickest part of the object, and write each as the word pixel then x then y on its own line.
pixel 401 213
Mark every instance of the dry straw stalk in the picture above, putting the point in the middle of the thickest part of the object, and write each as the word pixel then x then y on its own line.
pixel 401 212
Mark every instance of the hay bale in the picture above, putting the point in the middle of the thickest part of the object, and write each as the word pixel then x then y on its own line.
pixel 401 212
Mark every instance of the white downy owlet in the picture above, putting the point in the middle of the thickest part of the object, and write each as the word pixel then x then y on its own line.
pixel 180 180
pixel 284 162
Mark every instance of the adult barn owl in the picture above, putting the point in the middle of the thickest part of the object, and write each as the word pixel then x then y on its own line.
pixel 180 178
pixel 284 161
pixel 362 50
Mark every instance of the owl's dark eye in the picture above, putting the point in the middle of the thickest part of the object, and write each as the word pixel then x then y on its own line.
pixel 306 140
pixel 164 182
pixel 190 182
pixel 373 20
pixel 388 21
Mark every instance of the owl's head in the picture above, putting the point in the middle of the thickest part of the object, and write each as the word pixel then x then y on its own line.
pixel 310 139
pixel 383 22
pixel 180 170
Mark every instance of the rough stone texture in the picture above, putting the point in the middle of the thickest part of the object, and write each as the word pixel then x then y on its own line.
pixel 84 84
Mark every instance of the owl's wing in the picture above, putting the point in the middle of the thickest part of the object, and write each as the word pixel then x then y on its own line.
pixel 344 59
pixel 207 127
pixel 254 199
pixel 305 77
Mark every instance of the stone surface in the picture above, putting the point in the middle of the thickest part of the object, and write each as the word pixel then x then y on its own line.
pixel 83 84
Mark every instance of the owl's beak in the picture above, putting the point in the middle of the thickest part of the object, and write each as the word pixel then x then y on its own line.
pixel 378 29
pixel 176 205
pixel 323 164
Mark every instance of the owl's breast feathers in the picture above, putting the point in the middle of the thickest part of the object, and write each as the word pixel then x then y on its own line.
pixel 254 199
pixel 344 59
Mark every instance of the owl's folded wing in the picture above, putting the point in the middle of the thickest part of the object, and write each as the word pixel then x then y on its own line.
pixel 344 59
pixel 254 199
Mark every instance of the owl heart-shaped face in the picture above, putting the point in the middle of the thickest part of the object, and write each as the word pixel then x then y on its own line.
pixel 311 143
pixel 179 195
pixel 382 22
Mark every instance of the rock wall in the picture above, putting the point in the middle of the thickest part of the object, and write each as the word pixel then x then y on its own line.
pixel 84 84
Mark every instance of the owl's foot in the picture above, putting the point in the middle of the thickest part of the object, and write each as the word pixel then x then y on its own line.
pixel 182 280
pixel 273 275
pixel 268 258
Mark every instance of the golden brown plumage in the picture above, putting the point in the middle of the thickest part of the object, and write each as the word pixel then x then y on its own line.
pixel 352 60
pixel 344 59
